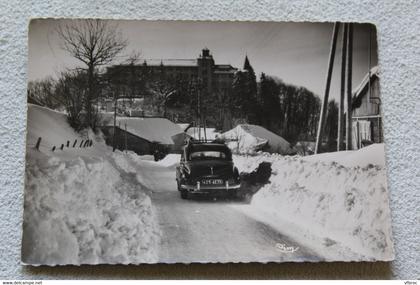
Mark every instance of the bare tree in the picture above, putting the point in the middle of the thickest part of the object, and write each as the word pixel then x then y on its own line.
pixel 95 43
pixel 162 91
pixel 42 92
pixel 71 87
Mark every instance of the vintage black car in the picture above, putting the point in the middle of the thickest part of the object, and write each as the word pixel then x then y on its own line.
pixel 207 168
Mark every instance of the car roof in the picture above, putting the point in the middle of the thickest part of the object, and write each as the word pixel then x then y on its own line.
pixel 200 146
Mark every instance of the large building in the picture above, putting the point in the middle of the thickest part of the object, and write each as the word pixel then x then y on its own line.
pixel 215 78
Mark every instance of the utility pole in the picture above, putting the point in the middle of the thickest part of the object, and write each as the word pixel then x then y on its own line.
pixel 327 87
pixel 199 114
pixel 349 70
pixel 342 89
pixel 115 122
pixel 125 125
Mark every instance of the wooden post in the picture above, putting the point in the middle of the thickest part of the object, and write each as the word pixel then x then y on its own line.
pixel 62 146
pixel 199 113
pixel 75 142
pixel 125 125
pixel 53 148
pixel 349 87
pixel 324 107
pixel 342 89
pixel 81 143
pixel 204 126
pixel 115 122
pixel 38 143
pixel 68 144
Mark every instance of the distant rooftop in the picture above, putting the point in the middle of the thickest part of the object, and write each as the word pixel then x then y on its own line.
pixel 171 62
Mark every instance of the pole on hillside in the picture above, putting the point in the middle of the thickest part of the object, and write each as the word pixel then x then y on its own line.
pixel 115 122
pixel 125 126
pixel 199 114
pixel 327 87
pixel 349 71
pixel 38 143
pixel 204 124
pixel 340 124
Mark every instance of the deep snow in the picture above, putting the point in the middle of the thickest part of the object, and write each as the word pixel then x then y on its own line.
pixel 90 205
pixel 81 206
pixel 337 202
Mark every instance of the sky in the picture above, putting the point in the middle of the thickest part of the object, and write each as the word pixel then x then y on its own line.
pixel 297 53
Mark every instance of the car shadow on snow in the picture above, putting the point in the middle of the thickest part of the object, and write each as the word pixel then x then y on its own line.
pixel 251 183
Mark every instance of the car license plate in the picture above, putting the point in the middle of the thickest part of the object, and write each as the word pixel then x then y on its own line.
pixel 212 181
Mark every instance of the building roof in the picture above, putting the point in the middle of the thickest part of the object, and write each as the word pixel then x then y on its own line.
pixel 184 126
pixel 362 88
pixel 224 66
pixel 171 62
pixel 252 138
pixel 152 129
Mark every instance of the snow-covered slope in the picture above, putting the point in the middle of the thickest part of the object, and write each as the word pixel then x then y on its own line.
pixel 248 139
pixel 80 205
pixel 336 203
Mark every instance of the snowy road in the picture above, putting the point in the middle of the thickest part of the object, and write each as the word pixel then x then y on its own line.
pixel 201 230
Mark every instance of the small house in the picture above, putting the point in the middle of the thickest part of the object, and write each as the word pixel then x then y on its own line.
pixel 366 111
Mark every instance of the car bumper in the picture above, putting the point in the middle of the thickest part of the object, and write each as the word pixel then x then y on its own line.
pixel 210 188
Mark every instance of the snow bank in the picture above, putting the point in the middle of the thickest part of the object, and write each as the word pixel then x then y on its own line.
pixel 170 160
pixel 370 155
pixel 82 206
pixel 328 204
pixel 249 139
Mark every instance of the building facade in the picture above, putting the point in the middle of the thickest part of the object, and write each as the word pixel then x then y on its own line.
pixel 214 78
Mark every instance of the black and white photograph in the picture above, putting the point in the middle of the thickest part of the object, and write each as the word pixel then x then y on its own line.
pixel 204 142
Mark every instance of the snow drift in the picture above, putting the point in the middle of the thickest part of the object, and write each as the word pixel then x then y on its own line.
pixel 80 205
pixel 249 139
pixel 337 205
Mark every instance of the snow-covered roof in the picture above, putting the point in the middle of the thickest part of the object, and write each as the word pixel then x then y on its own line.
pixel 153 129
pixel 171 62
pixel 248 138
pixel 231 71
pixel 374 72
pixel 184 126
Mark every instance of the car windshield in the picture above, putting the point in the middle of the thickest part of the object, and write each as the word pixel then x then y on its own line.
pixel 199 155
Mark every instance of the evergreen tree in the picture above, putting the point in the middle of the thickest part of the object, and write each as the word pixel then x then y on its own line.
pixel 269 102
pixel 245 93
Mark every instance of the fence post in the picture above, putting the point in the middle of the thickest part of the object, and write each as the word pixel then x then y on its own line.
pixel 81 143
pixel 62 146
pixel 38 142
pixel 53 149
pixel 75 142
pixel 68 144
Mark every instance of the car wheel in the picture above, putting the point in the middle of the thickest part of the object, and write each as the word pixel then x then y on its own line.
pixel 184 194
